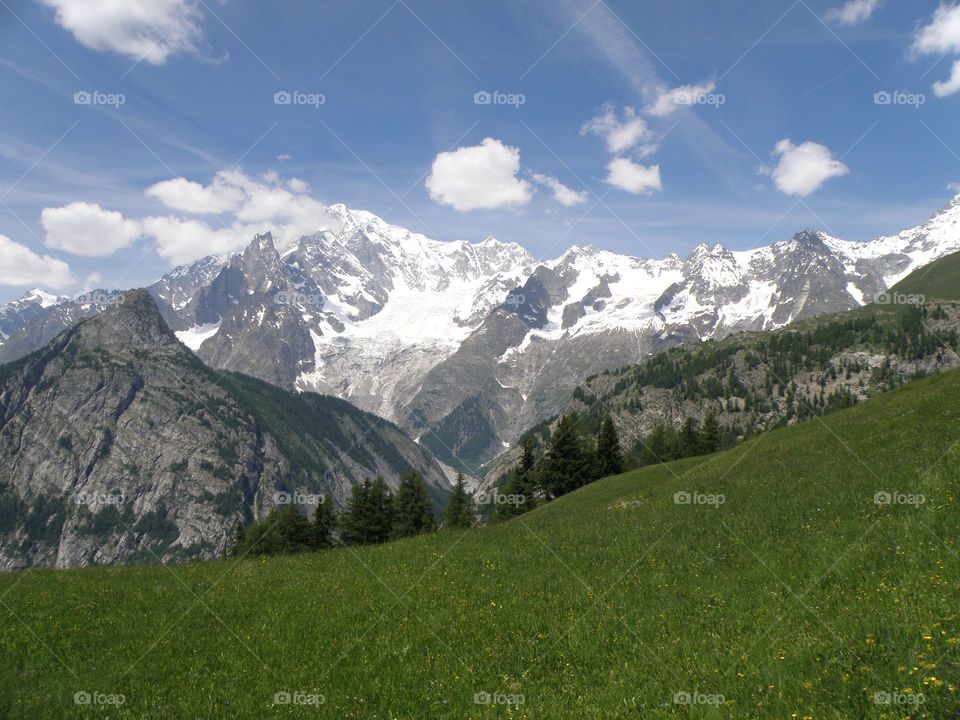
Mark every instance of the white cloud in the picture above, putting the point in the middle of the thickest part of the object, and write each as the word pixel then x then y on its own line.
pixel 853 12
pixel 561 193
pixel 192 197
pixel 803 169
pixel 256 206
pixel 669 99
pixel 482 176
pixel 941 37
pixel 19 265
pixel 87 229
pixel 149 30
pixel 298 186
pixel 954 187
pixel 633 177
pixel 949 87
pixel 181 241
pixel 620 135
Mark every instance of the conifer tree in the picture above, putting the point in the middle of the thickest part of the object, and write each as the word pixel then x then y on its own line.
pixel 711 433
pixel 324 523
pixel 459 512
pixel 609 452
pixel 567 463
pixel 412 515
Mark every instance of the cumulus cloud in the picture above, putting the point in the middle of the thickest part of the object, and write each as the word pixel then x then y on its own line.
pixel 803 169
pixel 853 12
pixel 87 229
pixel 633 177
pixel 620 135
pixel 564 195
pixel 192 197
pixel 255 206
pixel 181 240
pixel 19 265
pixel 483 176
pixel 940 37
pixel 669 99
pixel 149 30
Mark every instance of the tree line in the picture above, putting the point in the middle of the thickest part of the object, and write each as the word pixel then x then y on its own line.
pixel 374 514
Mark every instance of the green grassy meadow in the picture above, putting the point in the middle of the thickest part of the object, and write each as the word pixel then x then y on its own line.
pixel 782 589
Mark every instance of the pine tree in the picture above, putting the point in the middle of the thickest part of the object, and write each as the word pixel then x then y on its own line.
pixel 459 512
pixel 567 463
pixel 412 515
pixel 522 485
pixel 609 452
pixel 381 511
pixel 658 447
pixel 239 538
pixel 324 523
pixel 355 521
pixel 689 440
pixel 710 435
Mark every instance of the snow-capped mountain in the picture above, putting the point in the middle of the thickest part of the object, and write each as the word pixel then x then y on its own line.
pixel 467 345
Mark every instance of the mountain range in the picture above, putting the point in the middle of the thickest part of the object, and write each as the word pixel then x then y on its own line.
pixel 119 446
pixel 465 346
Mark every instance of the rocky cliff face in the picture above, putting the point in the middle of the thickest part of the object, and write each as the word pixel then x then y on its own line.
pixel 118 445
pixel 465 345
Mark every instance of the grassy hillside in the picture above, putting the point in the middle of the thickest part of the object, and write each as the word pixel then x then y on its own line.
pixel 939 280
pixel 788 592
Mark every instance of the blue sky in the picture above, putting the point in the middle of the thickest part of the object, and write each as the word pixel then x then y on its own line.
pixel 665 124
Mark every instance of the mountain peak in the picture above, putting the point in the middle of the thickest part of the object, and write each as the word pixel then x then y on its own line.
pixel 132 320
